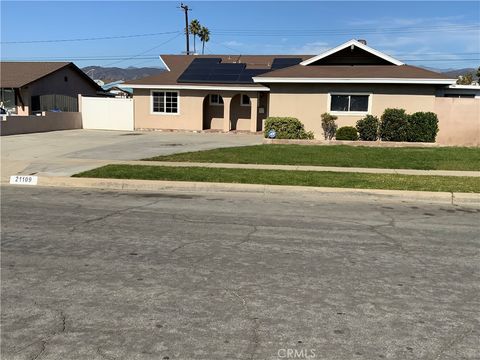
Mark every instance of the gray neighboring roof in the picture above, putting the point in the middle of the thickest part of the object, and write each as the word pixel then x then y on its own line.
pixel 15 74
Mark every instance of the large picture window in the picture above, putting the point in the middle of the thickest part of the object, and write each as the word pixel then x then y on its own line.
pixel 165 102
pixel 349 103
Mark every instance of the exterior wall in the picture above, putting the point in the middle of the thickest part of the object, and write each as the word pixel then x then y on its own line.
pixel 11 125
pixel 459 121
pixel 55 84
pixel 308 101
pixel 190 116
pixel 194 106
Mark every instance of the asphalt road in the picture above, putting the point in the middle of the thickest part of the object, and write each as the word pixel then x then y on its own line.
pixel 128 275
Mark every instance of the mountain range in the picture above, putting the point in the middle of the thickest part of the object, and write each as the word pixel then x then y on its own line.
pixel 109 74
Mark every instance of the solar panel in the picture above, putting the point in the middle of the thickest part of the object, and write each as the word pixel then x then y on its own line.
pixel 280 63
pixel 212 70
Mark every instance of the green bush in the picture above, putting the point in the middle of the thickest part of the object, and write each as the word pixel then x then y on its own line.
pixel 422 127
pixel 329 126
pixel 394 125
pixel 287 128
pixel 368 128
pixel 346 133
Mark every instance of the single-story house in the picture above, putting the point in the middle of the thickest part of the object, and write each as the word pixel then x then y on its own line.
pixel 237 92
pixel 27 88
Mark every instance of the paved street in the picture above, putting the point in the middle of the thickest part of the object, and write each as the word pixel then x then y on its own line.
pixel 64 153
pixel 130 275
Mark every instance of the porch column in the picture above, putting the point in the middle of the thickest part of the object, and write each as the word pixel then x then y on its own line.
pixel 253 111
pixel 227 100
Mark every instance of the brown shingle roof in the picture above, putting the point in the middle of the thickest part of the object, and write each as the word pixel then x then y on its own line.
pixel 178 63
pixel 360 71
pixel 18 74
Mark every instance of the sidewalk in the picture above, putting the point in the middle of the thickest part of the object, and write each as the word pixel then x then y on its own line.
pixel 304 168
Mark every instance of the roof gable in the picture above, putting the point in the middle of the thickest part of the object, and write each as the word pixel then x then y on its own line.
pixel 352 52
pixel 15 74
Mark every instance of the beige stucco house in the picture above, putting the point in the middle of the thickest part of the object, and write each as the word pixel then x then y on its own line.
pixel 27 88
pixel 228 92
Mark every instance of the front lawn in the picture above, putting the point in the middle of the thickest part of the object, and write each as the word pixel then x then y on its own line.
pixel 284 177
pixel 441 158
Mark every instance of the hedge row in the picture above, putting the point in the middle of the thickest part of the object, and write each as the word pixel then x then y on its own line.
pixel 393 125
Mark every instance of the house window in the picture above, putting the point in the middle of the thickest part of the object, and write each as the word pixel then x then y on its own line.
pixel 165 102
pixel 245 100
pixel 349 103
pixel 216 99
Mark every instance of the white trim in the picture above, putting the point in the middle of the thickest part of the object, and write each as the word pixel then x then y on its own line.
pixel 213 103
pixel 466 87
pixel 164 63
pixel 349 113
pixel 197 87
pixel 357 44
pixel 353 80
pixel 241 100
pixel 164 113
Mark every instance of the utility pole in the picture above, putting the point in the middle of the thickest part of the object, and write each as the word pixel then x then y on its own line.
pixel 186 10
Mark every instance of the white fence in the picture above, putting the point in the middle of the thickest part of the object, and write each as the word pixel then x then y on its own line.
pixel 107 113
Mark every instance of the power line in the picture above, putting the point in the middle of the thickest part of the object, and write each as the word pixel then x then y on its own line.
pixel 276 32
pixel 144 52
pixel 90 39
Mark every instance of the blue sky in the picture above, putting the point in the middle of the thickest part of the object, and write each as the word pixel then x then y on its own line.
pixel 440 34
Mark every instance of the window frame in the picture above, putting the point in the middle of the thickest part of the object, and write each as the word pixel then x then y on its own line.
pixel 241 100
pixel 215 103
pixel 348 112
pixel 152 91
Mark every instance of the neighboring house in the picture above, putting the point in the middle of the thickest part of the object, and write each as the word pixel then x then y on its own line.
pixel 116 89
pixel 31 87
pixel 228 92
pixel 462 91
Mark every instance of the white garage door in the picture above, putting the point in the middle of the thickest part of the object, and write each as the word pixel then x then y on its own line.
pixel 107 113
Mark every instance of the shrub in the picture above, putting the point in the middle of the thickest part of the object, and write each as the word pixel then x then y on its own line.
pixel 346 133
pixel 394 125
pixel 368 128
pixel 329 126
pixel 286 128
pixel 422 127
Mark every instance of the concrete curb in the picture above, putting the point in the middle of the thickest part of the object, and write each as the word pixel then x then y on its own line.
pixel 377 143
pixel 304 168
pixel 157 185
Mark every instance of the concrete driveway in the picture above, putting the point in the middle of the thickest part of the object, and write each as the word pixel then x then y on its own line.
pixel 63 153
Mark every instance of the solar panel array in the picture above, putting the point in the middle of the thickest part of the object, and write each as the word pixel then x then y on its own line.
pixel 212 70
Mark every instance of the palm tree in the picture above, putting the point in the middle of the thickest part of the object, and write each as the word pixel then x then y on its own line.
pixel 204 36
pixel 195 28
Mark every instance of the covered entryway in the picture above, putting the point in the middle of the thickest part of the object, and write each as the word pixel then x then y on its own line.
pixel 213 112
pixel 227 111
pixel 107 113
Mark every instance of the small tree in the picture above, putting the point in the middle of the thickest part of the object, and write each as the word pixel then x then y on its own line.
pixel 465 79
pixel 329 126
pixel 478 72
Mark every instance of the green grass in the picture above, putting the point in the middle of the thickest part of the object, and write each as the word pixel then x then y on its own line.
pixel 441 158
pixel 283 177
